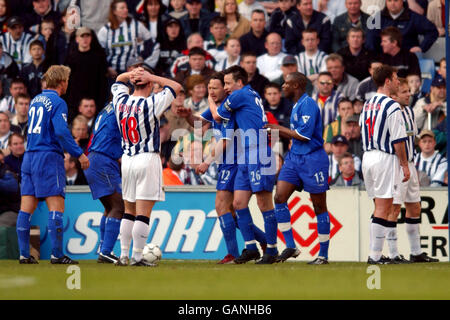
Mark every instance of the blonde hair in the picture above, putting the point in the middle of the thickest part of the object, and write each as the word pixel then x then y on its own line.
pixel 55 75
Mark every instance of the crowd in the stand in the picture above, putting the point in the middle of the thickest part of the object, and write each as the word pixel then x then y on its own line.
pixel 335 43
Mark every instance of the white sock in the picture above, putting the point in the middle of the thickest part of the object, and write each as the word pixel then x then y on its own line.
pixel 413 231
pixel 391 238
pixel 377 235
pixel 140 235
pixel 126 227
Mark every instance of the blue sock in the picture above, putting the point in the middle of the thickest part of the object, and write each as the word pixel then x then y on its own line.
pixel 23 233
pixel 228 226
pixel 112 229
pixel 55 230
pixel 245 223
pixel 102 232
pixel 284 223
pixel 270 226
pixel 323 229
pixel 260 236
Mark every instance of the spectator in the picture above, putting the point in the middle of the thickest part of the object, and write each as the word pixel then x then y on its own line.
pixel 431 110
pixel 307 18
pixel 173 173
pixel 345 110
pixel 122 37
pixel 7 103
pixel 216 43
pixel 434 14
pixel 5 13
pixel 6 129
pixel 367 89
pixel 196 89
pixel 9 195
pixel 88 65
pixel 153 18
pixel 172 46
pixel 357 106
pixel 348 176
pixel 32 72
pixel 182 62
pixel 289 64
pixel 331 8
pixel 356 57
pixel 197 19
pixel 411 24
pixel 237 25
pixel 20 119
pixel 394 55
pixel 255 39
pixel 246 7
pixel 88 109
pixel 257 81
pixel 8 67
pixel 197 65
pixel 167 143
pixel 339 146
pixel 192 160
pixel 278 18
pixel 354 18
pixel 16 145
pixel 74 174
pixel 415 86
pixel 179 9
pixel 94 14
pixel 42 9
pixel 269 64
pixel 430 160
pixel 80 131
pixel 176 122
pixel 16 42
pixel 442 70
pixel 353 134
pixel 327 98
pixel 343 82
pixel 233 54
pixel 46 29
pixel 312 60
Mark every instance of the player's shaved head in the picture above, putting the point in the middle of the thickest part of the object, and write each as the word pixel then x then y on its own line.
pixel 298 78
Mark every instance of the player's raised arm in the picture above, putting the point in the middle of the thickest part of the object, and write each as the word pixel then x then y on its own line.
pixel 142 76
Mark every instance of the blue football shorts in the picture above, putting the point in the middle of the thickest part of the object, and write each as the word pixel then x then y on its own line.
pixel 103 175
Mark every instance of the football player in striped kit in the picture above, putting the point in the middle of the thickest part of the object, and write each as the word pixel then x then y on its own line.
pixel 123 38
pixel 408 192
pixel 138 119
pixel 383 135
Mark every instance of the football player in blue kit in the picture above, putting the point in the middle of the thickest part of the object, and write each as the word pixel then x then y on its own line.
pixel 305 167
pixel 256 164
pixel 103 176
pixel 43 174
pixel 226 158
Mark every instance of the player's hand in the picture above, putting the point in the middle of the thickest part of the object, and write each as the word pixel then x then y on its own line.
pixel 273 126
pixel 84 161
pixel 184 112
pixel 201 169
pixel 406 173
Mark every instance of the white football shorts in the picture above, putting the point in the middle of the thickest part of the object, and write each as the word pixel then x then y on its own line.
pixel 142 177
pixel 408 191
pixel 381 172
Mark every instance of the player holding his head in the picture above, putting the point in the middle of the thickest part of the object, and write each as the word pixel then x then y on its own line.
pixel 305 166
pixel 138 119
pixel 253 176
pixel 383 135
pixel 408 192
pixel 103 176
pixel 43 174
pixel 225 156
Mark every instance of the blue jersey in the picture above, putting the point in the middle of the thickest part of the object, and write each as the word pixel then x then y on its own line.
pixel 307 122
pixel 223 131
pixel 248 109
pixel 47 125
pixel 106 137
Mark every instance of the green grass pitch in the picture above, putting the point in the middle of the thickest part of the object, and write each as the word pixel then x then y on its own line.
pixel 205 280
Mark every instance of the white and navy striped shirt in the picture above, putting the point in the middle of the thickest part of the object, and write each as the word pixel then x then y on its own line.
pixel 382 124
pixel 434 166
pixel 411 132
pixel 138 118
pixel 123 43
pixel 20 49
pixel 7 104
pixel 333 168
pixel 309 65
pixel 329 110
